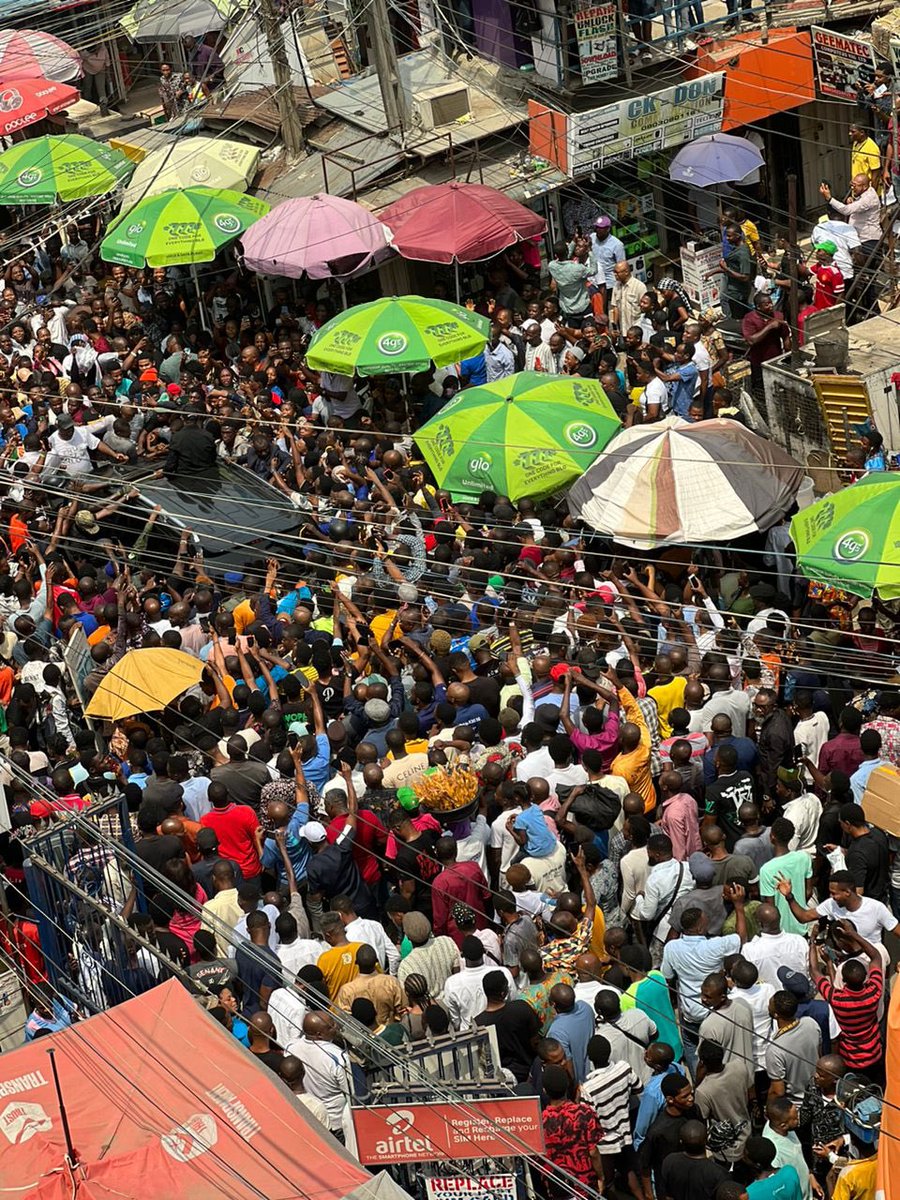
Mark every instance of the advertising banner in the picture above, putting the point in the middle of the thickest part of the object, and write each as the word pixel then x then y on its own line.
pixel 645 124
pixel 439 1132
pixel 595 30
pixel 843 64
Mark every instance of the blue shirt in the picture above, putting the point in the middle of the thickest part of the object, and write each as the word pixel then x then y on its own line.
pixel 606 254
pixel 783 1184
pixel 318 768
pixel 744 748
pixel 474 370
pixel 539 841
pixel 652 1102
pixel 297 848
pixel 573 1030
pixel 60 1019
pixel 683 388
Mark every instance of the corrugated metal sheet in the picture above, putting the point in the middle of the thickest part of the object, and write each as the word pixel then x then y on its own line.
pixel 342 163
pixel 844 401
pixel 258 109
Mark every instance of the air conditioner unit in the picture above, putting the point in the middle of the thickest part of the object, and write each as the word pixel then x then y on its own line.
pixel 442 105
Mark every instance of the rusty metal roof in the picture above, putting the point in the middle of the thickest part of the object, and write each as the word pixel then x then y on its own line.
pixel 258 110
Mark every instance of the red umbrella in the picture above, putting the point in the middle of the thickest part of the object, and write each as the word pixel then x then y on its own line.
pixel 28 100
pixel 458 222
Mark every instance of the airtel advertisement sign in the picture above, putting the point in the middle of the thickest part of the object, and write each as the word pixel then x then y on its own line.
pixel 438 1132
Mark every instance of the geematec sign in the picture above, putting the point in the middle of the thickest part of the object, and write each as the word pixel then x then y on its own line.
pixel 438 1132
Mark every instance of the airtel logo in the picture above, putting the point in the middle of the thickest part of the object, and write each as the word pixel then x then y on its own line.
pixel 401 1121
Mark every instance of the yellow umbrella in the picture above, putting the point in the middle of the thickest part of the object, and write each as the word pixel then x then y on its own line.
pixel 144 681
pixel 193 162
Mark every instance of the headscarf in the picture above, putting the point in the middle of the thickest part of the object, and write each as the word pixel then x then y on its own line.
pixel 672 285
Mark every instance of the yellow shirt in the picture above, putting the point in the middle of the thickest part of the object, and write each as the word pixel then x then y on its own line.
pixel 751 237
pixel 865 158
pixel 338 965
pixel 380 624
pixel 857 1180
pixel 668 696
pixel 634 765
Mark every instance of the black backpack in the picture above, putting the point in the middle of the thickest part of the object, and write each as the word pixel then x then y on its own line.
pixel 597 807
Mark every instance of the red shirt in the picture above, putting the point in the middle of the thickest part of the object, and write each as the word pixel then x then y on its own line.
pixel 460 883
pixel 829 285
pixel 235 825
pixel 370 841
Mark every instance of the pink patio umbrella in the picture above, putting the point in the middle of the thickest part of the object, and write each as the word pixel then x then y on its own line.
pixel 458 222
pixel 323 236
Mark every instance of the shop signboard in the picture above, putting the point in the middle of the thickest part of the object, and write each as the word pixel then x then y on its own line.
pixel 471 1187
pixel 443 1132
pixel 843 64
pixel 702 274
pixel 645 124
pixel 595 31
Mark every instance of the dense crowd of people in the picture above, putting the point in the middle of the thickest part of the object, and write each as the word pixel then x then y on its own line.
pixel 664 895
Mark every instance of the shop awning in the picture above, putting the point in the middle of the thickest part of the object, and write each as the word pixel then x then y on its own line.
pixel 162 1099
pixel 758 84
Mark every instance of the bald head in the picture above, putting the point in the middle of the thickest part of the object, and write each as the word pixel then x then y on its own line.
pixel 562 997
pixel 767 918
pixel 693 695
pixel 670 782
pixel 279 813
pixel 633 805
pixel 588 967
pixel 721 725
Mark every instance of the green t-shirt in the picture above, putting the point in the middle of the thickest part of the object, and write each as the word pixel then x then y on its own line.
pixel 571 280
pixel 651 996
pixel 796 867
pixel 738 259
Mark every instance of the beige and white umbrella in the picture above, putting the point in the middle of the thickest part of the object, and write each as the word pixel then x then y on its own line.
pixel 672 482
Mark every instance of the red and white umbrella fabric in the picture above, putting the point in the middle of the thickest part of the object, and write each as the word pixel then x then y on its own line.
pixel 458 222
pixel 32 54
pixel 25 101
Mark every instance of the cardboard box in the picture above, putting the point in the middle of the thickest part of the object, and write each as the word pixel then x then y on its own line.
pixel 881 800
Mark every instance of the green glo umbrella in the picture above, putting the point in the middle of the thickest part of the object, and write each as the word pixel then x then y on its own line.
pixel 65 166
pixel 527 435
pixel 404 333
pixel 852 538
pixel 188 225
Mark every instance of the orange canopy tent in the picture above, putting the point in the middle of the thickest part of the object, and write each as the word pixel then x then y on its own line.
pixel 162 1100
pixel 888 1186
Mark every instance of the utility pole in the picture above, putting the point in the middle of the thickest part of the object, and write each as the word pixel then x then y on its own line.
pixel 793 293
pixel 291 129
pixel 385 62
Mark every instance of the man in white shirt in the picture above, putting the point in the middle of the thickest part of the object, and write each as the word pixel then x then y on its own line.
pixel 538 356
pixel 297 952
pixel 361 929
pixel 802 809
pixel 327 1066
pixel 756 995
pixel 69 448
pixel 771 948
pixel 668 879
pixel 654 399
pixel 340 393
pixel 287 1010
pixel 862 210
pixel 464 995
pixel 499 360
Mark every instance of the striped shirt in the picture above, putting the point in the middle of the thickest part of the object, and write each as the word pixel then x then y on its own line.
pixel 857 1015
pixel 608 1090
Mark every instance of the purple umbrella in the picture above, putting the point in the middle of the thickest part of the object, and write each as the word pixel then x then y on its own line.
pixel 323 236
pixel 716 158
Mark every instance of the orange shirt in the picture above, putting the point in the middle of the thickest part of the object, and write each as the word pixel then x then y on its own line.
pixel 243 616
pixel 18 532
pixel 634 765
